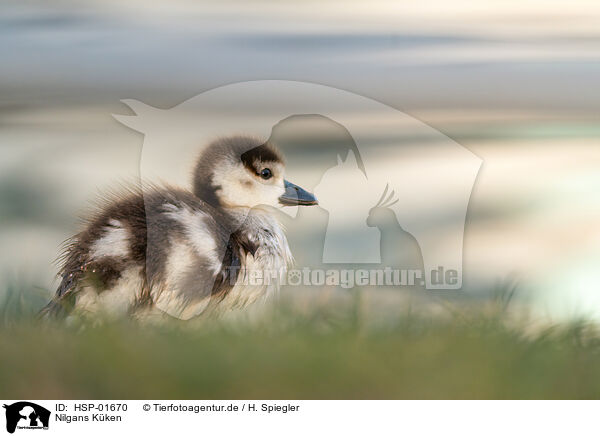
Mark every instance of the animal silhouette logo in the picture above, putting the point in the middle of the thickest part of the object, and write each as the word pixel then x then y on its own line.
pixel 26 415
pixel 377 231
pixel 393 236
pixel 337 247
pixel 429 176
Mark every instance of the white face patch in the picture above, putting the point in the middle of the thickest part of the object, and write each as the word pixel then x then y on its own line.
pixel 239 187
pixel 114 243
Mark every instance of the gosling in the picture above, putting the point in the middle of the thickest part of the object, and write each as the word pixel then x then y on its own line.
pixel 183 253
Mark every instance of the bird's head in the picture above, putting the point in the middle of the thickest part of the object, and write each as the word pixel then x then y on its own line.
pixel 245 172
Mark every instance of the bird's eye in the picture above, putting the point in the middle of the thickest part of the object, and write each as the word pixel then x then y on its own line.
pixel 266 173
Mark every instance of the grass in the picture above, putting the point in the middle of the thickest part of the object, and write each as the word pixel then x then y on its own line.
pixel 326 352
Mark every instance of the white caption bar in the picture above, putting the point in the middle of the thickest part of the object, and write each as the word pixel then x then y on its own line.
pixel 159 417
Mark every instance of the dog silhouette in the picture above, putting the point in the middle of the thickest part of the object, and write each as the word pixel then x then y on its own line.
pixel 13 415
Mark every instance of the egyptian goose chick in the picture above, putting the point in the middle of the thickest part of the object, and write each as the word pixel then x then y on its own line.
pixel 185 252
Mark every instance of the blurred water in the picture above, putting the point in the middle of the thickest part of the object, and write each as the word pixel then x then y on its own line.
pixel 516 84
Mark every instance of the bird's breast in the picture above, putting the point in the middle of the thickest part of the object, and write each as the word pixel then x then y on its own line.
pixel 262 267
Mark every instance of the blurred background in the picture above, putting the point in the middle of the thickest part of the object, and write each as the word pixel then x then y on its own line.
pixel 515 82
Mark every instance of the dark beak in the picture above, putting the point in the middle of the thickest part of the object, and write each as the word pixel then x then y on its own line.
pixel 295 195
